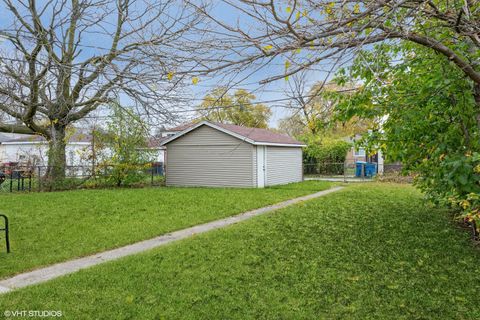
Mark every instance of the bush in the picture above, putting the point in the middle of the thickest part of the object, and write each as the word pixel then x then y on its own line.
pixel 324 155
pixel 123 147
pixel 324 150
pixel 454 182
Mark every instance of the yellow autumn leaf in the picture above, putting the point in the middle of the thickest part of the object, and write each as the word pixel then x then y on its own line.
pixel 289 9
pixel 170 75
pixel 297 15
pixel 356 8
pixel 464 204
pixel 304 13
pixel 287 64
pixel 477 168
pixel 329 8
pixel 268 47
pixel 195 80
pixel 286 78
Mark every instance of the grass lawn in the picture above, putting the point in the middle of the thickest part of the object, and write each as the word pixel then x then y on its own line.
pixel 53 227
pixel 371 251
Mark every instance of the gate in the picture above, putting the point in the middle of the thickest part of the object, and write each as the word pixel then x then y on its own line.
pixel 15 179
pixel 5 229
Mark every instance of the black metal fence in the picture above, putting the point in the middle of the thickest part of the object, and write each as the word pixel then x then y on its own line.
pixel 44 178
pixel 348 170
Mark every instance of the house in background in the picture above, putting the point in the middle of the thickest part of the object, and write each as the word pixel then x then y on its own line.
pixel 33 150
pixel 359 154
pixel 224 155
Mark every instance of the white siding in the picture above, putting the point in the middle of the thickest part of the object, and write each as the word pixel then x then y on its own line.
pixel 37 153
pixel 208 157
pixel 283 165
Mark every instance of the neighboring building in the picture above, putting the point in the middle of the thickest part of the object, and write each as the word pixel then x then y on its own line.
pixel 33 150
pixel 355 155
pixel 224 155
pixel 360 155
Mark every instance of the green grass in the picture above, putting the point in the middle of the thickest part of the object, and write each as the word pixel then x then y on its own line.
pixel 53 227
pixel 368 252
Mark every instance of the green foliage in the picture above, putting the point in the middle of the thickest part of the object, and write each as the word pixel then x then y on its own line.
pixel 237 108
pixel 125 155
pixel 324 150
pixel 426 118
pixel 324 155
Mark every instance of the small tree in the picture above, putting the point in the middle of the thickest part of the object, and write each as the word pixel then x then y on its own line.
pixel 124 144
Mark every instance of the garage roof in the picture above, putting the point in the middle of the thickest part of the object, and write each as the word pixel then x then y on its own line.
pixel 254 136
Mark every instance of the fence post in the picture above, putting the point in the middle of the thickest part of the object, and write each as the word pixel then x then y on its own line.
pixel 39 178
pixel 151 181
pixel 5 229
pixel 345 171
pixel 11 179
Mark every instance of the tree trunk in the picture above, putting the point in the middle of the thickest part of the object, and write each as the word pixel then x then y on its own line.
pixel 56 154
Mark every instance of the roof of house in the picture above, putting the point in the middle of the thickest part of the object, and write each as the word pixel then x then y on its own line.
pixel 25 138
pixel 254 136
pixel 155 142
pixel 7 136
pixel 182 127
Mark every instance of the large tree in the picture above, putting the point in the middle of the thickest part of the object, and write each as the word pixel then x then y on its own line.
pixel 313 109
pixel 425 111
pixel 308 33
pixel 61 60
pixel 237 108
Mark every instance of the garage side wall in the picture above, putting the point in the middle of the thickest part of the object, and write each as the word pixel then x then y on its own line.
pixel 283 165
pixel 208 157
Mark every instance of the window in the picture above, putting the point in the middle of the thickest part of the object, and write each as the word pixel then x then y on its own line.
pixel 359 152
pixel 71 157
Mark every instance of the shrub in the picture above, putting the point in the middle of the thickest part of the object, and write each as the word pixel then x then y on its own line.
pixel 324 150
pixel 324 155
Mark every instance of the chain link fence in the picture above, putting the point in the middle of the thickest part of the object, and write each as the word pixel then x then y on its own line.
pixel 18 178
pixel 349 171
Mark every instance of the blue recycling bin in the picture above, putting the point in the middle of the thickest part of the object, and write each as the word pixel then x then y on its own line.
pixel 359 165
pixel 369 169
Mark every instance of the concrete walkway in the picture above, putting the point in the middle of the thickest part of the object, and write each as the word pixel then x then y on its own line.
pixel 64 268
pixel 336 179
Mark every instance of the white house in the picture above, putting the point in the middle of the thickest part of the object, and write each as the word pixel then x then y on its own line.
pixel 33 150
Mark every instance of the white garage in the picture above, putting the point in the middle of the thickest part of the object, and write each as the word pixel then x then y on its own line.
pixel 225 155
